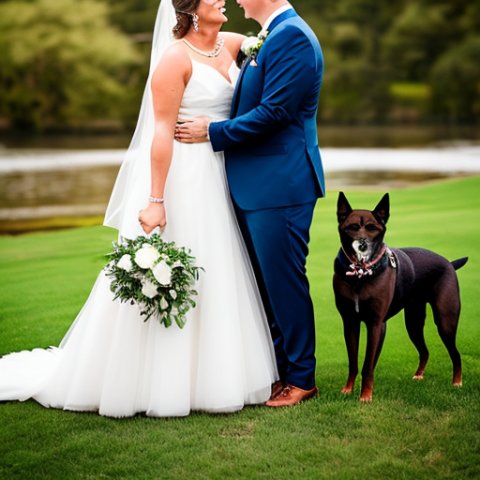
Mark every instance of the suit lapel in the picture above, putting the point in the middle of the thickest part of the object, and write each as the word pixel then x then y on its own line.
pixel 236 92
pixel 238 87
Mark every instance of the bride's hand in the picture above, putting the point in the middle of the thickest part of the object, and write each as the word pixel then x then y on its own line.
pixel 193 131
pixel 152 217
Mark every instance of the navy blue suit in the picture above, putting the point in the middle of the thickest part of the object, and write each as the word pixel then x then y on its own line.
pixel 275 176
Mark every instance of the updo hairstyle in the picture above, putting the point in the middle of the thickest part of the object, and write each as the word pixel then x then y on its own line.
pixel 184 10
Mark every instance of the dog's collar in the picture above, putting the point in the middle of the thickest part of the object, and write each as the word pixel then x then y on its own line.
pixel 353 268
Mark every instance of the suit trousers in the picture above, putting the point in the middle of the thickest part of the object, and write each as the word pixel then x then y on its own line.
pixel 277 242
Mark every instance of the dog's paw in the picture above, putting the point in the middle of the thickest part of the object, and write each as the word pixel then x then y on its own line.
pixel 366 395
pixel 418 378
pixel 457 379
pixel 366 398
pixel 347 390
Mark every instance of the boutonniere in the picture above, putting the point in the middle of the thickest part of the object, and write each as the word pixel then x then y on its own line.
pixel 252 45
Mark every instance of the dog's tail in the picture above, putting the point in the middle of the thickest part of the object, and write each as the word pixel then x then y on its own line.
pixel 457 264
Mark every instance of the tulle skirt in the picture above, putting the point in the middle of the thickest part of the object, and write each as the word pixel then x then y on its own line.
pixel 113 362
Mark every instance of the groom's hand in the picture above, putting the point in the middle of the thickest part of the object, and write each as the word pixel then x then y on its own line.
pixel 194 130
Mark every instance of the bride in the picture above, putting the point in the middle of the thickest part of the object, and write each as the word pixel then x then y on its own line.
pixel 111 361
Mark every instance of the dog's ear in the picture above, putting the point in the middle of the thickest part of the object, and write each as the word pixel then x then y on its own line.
pixel 343 207
pixel 382 210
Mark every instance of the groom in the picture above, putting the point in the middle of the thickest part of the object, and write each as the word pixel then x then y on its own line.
pixel 275 176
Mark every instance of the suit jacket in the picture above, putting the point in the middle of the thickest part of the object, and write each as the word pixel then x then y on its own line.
pixel 271 149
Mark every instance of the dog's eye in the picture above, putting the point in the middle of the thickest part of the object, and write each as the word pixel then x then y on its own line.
pixel 371 227
pixel 354 227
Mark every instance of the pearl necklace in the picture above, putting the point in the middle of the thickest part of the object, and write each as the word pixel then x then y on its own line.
pixel 214 53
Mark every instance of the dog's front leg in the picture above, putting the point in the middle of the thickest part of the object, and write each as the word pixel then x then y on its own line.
pixel 351 332
pixel 376 334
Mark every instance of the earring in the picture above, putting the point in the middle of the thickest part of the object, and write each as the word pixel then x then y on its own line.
pixel 195 22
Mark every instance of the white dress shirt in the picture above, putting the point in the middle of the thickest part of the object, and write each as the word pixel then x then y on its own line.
pixel 274 15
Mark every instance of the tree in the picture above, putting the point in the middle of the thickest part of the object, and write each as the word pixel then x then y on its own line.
pixel 65 62
pixel 455 79
pixel 413 42
pixel 62 63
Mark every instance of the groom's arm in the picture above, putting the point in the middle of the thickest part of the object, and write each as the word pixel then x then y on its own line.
pixel 290 73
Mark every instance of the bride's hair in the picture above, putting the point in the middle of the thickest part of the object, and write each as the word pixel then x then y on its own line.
pixel 184 10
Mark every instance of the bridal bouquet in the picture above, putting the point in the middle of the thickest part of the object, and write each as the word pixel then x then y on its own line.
pixel 157 275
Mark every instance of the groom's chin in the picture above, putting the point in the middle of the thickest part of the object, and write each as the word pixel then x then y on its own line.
pixel 245 14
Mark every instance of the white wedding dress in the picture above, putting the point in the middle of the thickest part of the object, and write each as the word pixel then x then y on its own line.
pixel 113 362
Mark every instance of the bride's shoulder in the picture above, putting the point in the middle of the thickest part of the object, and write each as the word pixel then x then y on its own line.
pixel 233 41
pixel 176 53
pixel 174 59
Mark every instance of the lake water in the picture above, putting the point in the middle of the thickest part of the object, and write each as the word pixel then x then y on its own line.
pixel 42 183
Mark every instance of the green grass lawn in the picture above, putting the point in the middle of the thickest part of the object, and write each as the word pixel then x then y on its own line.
pixel 412 430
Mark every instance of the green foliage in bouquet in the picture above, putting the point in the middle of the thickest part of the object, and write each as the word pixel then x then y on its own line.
pixel 157 275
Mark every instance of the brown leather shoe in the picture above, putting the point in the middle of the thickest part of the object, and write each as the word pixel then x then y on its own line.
pixel 291 395
pixel 277 388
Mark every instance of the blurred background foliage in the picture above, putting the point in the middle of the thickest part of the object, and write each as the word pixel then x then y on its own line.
pixel 82 64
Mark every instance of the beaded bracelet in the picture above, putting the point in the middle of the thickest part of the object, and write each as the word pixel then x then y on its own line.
pixel 155 199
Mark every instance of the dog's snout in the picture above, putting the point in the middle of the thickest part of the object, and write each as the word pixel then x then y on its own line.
pixel 363 245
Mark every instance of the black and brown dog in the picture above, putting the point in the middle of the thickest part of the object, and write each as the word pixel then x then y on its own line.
pixel 372 283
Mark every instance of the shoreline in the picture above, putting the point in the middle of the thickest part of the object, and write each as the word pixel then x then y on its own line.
pixel 46 188
pixel 457 159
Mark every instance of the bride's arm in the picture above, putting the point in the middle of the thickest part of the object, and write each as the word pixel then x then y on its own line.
pixel 233 42
pixel 168 85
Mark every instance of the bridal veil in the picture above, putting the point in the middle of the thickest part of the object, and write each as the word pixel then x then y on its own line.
pixel 130 193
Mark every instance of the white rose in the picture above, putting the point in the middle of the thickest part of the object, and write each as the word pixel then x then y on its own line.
pixel 163 273
pixel 125 263
pixel 149 289
pixel 146 256
pixel 163 304
pixel 249 44
pixel 177 264
pixel 173 294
